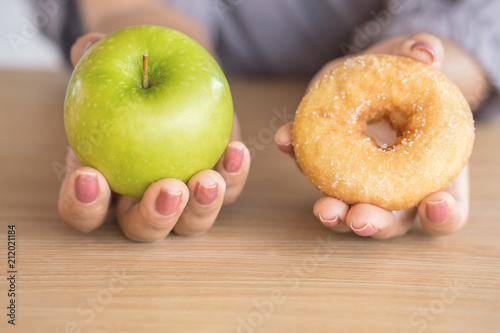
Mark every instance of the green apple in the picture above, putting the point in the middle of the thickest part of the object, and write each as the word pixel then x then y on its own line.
pixel 146 103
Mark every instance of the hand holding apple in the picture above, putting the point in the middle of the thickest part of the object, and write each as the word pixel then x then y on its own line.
pixel 146 103
pixel 167 204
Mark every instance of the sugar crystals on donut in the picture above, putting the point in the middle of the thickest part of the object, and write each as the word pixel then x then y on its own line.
pixel 431 117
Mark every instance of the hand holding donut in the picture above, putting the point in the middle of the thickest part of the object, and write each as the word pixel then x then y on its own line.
pixel 442 212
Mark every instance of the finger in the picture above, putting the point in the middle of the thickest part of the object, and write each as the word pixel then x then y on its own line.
pixel 332 213
pixel 153 217
pixel 84 199
pixel 236 131
pixel 206 194
pixel 82 44
pixel 72 162
pixel 283 138
pixel 234 166
pixel 423 47
pixel 447 212
pixel 369 220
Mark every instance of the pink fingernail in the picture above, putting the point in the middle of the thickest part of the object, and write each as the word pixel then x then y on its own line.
pixel 167 202
pixel 366 230
pixel 329 221
pixel 89 44
pixel 284 143
pixel 281 142
pixel 437 211
pixel 233 159
pixel 205 194
pixel 425 47
pixel 86 186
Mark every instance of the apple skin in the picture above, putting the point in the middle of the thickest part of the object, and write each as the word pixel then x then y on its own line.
pixel 134 136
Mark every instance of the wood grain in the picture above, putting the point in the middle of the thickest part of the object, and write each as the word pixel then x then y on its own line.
pixel 266 266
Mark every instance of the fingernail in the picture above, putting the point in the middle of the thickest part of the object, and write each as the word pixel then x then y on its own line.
pixel 167 202
pixel 283 140
pixel 425 47
pixel 437 211
pixel 89 45
pixel 366 230
pixel 329 221
pixel 86 186
pixel 205 194
pixel 233 159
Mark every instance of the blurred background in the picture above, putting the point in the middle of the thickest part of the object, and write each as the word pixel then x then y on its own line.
pixel 35 52
pixel 20 50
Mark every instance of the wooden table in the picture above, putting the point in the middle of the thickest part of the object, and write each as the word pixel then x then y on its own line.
pixel 266 266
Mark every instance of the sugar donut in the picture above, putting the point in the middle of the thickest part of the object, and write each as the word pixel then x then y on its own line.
pixel 434 123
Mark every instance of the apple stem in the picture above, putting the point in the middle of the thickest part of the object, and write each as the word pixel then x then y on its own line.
pixel 145 81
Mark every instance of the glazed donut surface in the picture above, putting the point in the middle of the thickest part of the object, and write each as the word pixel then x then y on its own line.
pixel 433 120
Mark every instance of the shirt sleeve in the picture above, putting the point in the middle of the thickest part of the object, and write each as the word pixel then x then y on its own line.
pixel 51 15
pixel 60 22
pixel 472 24
pixel 63 25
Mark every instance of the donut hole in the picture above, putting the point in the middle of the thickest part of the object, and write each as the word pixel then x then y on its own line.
pixel 385 127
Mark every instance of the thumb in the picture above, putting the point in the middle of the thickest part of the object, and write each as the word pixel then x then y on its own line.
pixel 422 47
pixel 82 44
